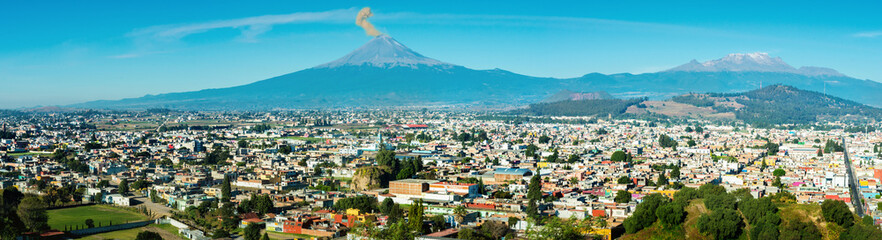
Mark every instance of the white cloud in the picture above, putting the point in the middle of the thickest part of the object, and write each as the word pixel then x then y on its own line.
pixel 867 34
pixel 250 27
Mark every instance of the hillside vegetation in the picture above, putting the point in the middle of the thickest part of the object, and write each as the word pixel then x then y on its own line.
pixel 710 212
pixel 768 106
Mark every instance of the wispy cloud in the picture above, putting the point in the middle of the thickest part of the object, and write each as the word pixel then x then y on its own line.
pixel 250 27
pixel 867 34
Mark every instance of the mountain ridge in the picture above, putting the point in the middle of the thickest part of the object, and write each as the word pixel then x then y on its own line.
pixel 385 73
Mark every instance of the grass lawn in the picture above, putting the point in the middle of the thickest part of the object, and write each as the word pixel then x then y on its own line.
pixel 29 154
pixel 167 231
pixel 58 218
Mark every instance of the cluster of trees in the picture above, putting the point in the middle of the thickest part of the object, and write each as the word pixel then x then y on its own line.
pixel 5 134
pixel 593 107
pixel 488 231
pixel 366 204
pixel 69 160
pixel 666 142
pixel 832 146
pixel 260 128
pixel 251 232
pixel 837 212
pixel 218 155
pixel 730 211
pixel 860 129
pixel 477 136
pixel 621 156
pixel 402 169
pixel 655 207
pixel 21 213
pixel 399 228
pixel 697 129
pixel 208 215
pixel 694 100
pixel 261 204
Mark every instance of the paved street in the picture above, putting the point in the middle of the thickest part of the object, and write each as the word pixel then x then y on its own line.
pixel 852 184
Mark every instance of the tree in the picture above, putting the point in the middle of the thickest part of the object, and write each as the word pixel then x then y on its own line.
pixel 459 214
pixel 666 142
pixel 220 233
pixel 618 156
pixel 544 139
pixel 721 224
pixel 366 204
pixel 573 158
pixel 623 196
pixel 675 172
pixel 242 143
pixel 386 206
pixel 395 213
pixel 534 190
pixel 720 201
pixel 32 212
pixel 262 203
pixel 685 195
pixel 772 148
pixel 709 189
pixel 148 235
pixel 837 212
pixel 533 210
pixel 670 214
pixel 90 223
pixel 226 189
pixel 779 172
pixel 556 228
pixel 691 143
pixel 662 180
pixel 265 237
pixel 252 232
pixel 860 232
pixel 553 157
pixel 103 184
pixel 623 180
pixel 796 229
pixel 415 216
pixel 124 187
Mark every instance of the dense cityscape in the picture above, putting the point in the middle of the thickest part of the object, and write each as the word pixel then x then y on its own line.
pixel 563 120
pixel 430 174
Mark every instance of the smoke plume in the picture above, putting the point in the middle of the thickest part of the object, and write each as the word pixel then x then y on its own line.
pixel 362 21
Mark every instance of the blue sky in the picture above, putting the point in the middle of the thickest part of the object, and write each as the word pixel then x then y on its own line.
pixel 63 52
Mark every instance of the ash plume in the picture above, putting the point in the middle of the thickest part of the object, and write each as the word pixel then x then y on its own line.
pixel 361 20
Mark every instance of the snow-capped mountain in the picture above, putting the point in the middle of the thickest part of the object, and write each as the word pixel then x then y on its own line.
pixel 384 51
pixel 751 62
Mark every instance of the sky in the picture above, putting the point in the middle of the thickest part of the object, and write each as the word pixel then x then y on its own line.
pixel 66 52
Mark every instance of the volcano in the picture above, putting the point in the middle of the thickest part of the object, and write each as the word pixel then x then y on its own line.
pixel 381 73
pixel 384 73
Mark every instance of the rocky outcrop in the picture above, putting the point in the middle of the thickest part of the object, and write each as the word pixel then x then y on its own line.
pixel 373 177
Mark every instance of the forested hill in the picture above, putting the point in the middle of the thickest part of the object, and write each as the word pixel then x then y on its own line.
pixel 781 104
pixel 768 106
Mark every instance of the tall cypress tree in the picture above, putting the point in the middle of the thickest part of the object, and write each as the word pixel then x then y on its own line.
pixel 534 191
pixel 226 189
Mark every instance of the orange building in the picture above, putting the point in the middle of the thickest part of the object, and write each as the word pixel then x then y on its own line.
pixel 410 186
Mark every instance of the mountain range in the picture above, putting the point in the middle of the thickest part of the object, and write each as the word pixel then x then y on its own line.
pixel 385 73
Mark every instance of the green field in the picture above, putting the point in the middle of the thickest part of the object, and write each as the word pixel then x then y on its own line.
pixel 59 218
pixel 167 231
pixel 29 154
